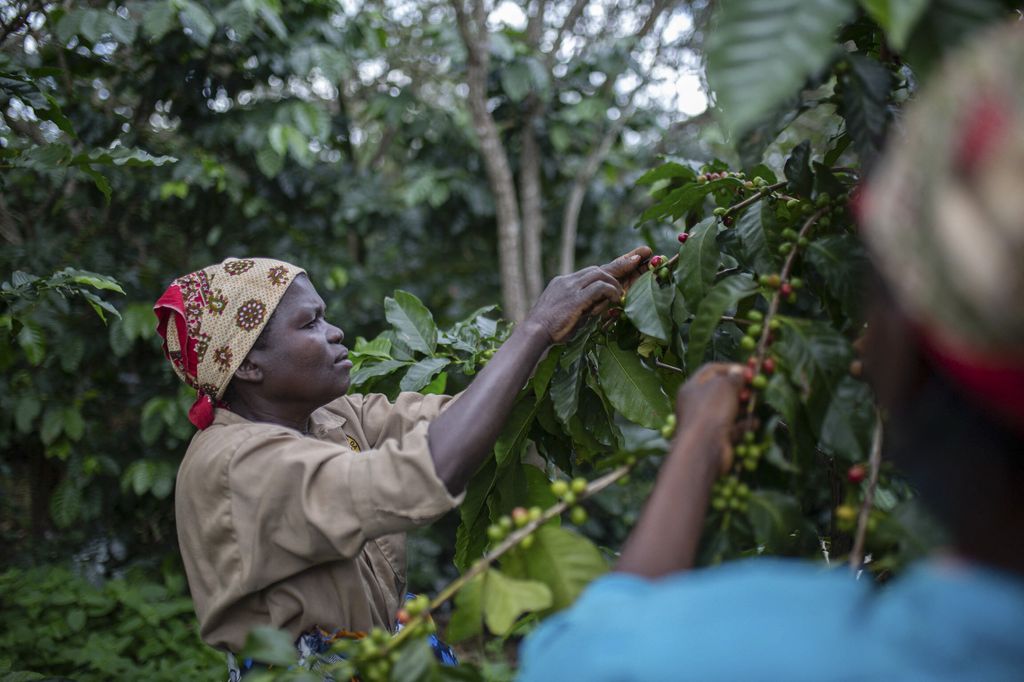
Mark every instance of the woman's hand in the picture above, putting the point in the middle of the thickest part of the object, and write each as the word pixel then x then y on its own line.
pixel 570 298
pixel 706 409
pixel 666 536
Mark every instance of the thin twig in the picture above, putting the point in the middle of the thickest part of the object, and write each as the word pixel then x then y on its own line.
pixel 665 365
pixel 757 196
pixel 874 462
pixel 513 539
pixel 773 305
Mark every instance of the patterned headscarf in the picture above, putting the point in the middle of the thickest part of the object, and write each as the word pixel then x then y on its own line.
pixel 944 218
pixel 209 319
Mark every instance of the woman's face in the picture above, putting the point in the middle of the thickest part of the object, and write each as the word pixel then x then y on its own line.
pixel 301 357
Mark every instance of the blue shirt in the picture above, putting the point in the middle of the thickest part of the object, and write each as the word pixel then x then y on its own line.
pixel 772 619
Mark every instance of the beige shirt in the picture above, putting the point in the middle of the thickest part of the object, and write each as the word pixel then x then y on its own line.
pixel 290 530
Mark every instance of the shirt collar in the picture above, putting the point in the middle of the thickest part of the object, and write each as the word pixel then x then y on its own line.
pixel 324 421
pixel 321 422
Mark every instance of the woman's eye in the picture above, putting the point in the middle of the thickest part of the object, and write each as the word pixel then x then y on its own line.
pixel 311 323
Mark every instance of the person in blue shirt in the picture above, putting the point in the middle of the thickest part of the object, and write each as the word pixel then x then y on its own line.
pixel 944 220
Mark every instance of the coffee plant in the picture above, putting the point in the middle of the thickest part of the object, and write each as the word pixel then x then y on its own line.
pixel 763 266
pixel 759 263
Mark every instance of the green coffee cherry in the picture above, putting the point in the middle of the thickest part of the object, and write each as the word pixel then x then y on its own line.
pixel 559 488
pixel 495 532
pixel 578 485
pixel 578 516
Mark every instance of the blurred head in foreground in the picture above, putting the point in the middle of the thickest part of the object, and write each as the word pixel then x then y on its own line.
pixel 943 217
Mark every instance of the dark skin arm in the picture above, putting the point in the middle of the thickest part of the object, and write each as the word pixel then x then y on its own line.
pixel 464 434
pixel 665 538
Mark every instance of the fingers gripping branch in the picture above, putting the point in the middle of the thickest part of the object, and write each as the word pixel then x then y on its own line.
pixel 568 299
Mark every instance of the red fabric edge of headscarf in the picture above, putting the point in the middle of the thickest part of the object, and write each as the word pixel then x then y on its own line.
pixel 171 304
pixel 201 412
pixel 996 382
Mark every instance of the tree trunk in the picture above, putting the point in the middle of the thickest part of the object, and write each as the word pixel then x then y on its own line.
pixel 530 195
pixel 496 165
pixel 571 213
pixel 531 201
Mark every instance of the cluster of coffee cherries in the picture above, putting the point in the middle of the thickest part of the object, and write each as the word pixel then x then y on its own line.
pixel 787 289
pixel 749 451
pixel 796 207
pixel 519 517
pixel 755 328
pixel 730 493
pixel 372 656
pixel 668 429
pixel 656 263
pixel 755 183
pixel 371 653
pixel 754 380
pixel 846 514
pixel 569 492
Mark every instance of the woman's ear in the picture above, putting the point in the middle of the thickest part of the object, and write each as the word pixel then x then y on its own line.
pixel 249 372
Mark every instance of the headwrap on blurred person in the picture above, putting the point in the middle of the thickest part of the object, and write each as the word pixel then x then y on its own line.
pixel 949 198
pixel 210 319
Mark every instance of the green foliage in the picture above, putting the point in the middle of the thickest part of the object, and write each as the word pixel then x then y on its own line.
pixel 52 620
pixel 148 140
pixel 761 51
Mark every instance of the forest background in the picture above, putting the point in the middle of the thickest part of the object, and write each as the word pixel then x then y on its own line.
pixel 464 153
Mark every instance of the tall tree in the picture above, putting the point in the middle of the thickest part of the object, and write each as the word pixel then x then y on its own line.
pixel 562 41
